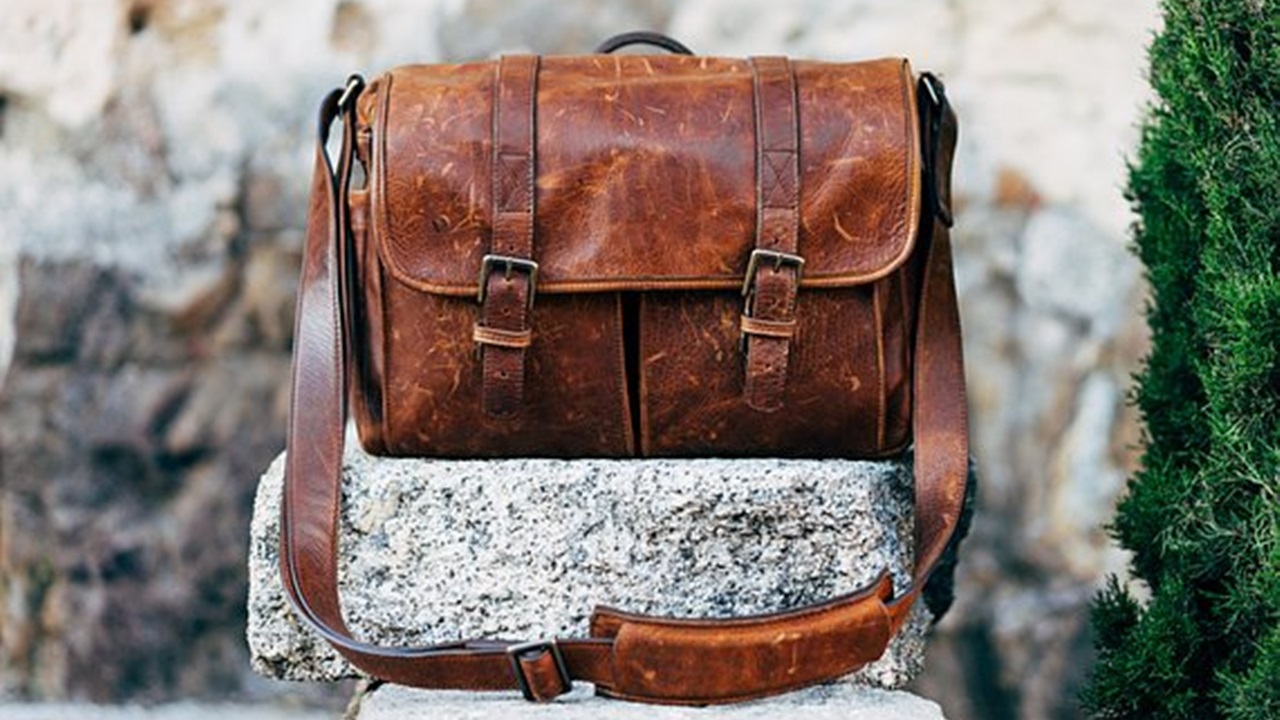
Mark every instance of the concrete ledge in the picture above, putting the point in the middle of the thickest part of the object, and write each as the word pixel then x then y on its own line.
pixel 439 550
pixel 830 702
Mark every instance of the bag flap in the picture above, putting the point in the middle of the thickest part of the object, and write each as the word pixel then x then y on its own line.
pixel 645 172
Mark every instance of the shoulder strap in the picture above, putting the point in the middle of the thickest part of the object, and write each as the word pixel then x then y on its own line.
pixel 659 660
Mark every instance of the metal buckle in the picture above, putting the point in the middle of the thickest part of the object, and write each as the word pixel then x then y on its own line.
pixel 355 84
pixel 778 258
pixel 509 263
pixel 930 84
pixel 753 266
pixel 515 651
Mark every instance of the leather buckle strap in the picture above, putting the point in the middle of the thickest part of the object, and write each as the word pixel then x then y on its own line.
pixel 506 301
pixel 772 297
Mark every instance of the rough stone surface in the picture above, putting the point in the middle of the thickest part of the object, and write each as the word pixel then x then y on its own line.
pixel 168 143
pixel 436 551
pixel 171 711
pixel 831 702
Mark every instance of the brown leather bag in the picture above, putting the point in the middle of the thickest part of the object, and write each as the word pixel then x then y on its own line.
pixel 621 256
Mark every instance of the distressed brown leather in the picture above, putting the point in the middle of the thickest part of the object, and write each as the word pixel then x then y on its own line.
pixel 649 177
pixel 642 187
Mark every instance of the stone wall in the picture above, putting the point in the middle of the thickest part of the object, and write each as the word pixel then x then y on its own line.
pixel 153 169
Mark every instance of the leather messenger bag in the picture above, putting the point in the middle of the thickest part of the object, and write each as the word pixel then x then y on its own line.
pixel 631 256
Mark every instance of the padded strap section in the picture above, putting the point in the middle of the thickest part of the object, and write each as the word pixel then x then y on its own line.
pixel 509 273
pixel 699 662
pixel 658 660
pixel 774 273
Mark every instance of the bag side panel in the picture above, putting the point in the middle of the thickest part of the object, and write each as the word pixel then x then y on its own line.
pixel 366 336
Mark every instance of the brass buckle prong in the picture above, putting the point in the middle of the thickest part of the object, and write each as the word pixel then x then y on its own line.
pixel 509 264
pixel 777 258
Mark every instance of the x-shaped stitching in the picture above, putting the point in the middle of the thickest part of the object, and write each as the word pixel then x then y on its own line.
pixel 779 178
pixel 513 179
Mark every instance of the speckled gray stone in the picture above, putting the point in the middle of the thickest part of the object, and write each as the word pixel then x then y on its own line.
pixel 830 702
pixel 438 550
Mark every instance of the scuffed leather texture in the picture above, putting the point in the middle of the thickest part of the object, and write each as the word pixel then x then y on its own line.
pixel 836 397
pixel 697 662
pixel 645 172
pixel 647 181
pixel 574 399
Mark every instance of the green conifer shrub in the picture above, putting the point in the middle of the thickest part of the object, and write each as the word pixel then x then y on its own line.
pixel 1202 516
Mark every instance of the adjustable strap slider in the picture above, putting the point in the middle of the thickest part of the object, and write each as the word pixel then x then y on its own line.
pixel 539 670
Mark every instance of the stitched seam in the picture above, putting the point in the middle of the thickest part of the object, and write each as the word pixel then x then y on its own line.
pixel 646 436
pixel 834 605
pixel 628 433
pixel 882 399
pixel 379 187
pixel 641 283
pixel 911 186
pixel 531 145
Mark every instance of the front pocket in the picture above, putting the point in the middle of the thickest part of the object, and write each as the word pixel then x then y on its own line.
pixel 692 374
pixel 574 387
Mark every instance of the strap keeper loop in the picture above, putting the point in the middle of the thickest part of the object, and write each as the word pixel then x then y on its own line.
pixel 768 328
pixel 517 339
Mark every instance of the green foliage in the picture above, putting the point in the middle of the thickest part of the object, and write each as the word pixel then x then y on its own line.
pixel 1148 655
pixel 1202 517
pixel 1254 694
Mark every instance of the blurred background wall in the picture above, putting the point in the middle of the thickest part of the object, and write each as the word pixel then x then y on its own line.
pixel 154 160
